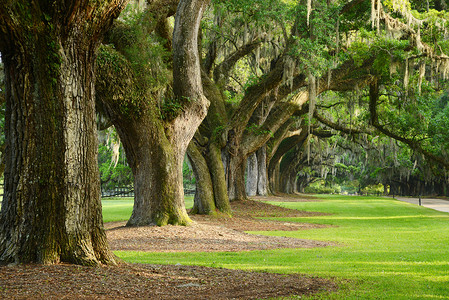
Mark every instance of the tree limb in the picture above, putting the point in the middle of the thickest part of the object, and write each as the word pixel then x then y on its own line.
pixel 338 126
pixel 374 120
pixel 222 70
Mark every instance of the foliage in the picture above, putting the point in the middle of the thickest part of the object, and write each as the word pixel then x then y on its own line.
pixel 320 187
pixel 144 50
pixel 172 107
pixel 314 38
pixel 110 61
pixel 138 54
pixel 187 173
pixel 114 170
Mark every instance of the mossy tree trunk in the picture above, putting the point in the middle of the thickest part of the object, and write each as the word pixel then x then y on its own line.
pixel 205 150
pixel 156 163
pixel 278 152
pixel 51 209
pixel 204 202
pixel 155 143
pixel 211 194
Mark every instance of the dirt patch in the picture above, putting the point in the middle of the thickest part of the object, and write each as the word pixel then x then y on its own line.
pixel 288 198
pixel 219 233
pixel 198 237
pixel 150 282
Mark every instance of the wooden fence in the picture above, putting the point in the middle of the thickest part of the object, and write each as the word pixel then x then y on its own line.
pixel 123 191
pixel 129 192
pixel 114 192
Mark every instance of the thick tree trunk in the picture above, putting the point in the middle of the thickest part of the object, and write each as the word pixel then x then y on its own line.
pixel 211 190
pixel 153 155
pixel 218 176
pixel 276 179
pixel 157 169
pixel 235 177
pixel 251 175
pixel 262 180
pixel 154 147
pixel 51 209
pixel 159 190
pixel 204 195
pixel 256 173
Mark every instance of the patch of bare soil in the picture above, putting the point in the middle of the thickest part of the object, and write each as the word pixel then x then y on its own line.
pixel 219 233
pixel 136 281
pixel 288 198
pixel 150 282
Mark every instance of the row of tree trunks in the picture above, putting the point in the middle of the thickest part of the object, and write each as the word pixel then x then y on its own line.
pixel 241 143
pixel 416 187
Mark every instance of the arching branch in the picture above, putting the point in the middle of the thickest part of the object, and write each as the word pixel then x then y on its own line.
pixel 338 126
pixel 374 120
pixel 222 70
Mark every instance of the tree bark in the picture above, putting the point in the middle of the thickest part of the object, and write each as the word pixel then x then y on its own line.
pixel 217 172
pixel 252 175
pixel 204 195
pixel 51 209
pixel 256 173
pixel 235 176
pixel 262 180
pixel 211 193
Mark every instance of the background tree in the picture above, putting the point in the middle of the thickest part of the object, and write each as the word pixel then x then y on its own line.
pixel 386 51
pixel 155 113
pixel 114 169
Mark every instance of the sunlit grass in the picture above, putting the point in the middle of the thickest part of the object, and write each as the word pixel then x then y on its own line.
pixel 387 250
pixel 120 208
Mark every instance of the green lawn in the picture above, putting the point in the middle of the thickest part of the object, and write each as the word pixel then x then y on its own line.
pixel 120 208
pixel 388 250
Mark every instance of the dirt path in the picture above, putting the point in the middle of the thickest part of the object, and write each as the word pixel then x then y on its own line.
pixel 135 281
pixel 436 204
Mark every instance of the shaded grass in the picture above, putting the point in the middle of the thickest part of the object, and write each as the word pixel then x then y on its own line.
pixel 388 249
pixel 120 208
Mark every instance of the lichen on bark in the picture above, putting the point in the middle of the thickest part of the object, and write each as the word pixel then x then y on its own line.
pixel 51 210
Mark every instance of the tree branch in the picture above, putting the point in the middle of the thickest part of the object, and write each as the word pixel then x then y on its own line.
pixel 337 126
pixel 374 120
pixel 284 110
pixel 187 83
pixel 222 70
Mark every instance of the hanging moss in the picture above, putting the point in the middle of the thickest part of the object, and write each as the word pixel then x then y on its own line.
pixel 171 108
pixel 115 82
